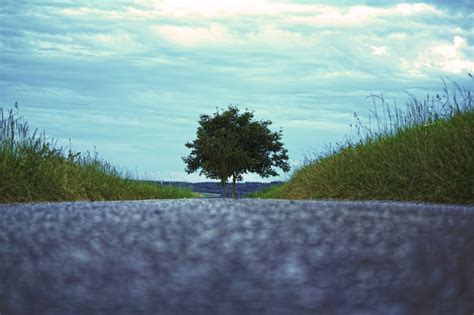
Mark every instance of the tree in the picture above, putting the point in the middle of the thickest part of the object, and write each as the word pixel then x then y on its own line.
pixel 231 143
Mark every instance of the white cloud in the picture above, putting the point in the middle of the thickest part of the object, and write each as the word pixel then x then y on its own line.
pixel 190 36
pixel 312 14
pixel 103 44
pixel 117 42
pixel 380 51
pixel 335 16
pixel 218 35
pixel 218 8
pixel 397 36
pixel 357 15
pixel 91 12
pixel 441 56
pixel 271 35
pixel 415 8
pixel 344 74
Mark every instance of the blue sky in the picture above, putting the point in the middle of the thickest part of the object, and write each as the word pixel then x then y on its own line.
pixel 131 78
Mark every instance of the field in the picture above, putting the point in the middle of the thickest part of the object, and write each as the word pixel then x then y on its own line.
pixel 215 190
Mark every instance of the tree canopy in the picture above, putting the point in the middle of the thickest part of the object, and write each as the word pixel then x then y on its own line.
pixel 231 143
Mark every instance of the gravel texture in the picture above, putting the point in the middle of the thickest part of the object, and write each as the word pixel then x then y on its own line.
pixel 220 256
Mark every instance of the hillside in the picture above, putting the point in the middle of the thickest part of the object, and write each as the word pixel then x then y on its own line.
pixel 423 154
pixel 34 168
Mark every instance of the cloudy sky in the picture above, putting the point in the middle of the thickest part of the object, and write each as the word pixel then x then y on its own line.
pixel 131 78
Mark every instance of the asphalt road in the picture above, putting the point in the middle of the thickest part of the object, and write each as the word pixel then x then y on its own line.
pixel 214 256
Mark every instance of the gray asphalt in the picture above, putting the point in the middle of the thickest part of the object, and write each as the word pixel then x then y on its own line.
pixel 215 256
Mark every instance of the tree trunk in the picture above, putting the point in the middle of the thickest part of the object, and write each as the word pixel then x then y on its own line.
pixel 224 191
pixel 234 186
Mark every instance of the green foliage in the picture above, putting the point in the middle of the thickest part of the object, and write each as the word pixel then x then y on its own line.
pixel 231 143
pixel 33 169
pixel 424 153
pixel 273 192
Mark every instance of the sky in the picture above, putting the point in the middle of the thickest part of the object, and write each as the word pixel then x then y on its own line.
pixel 129 79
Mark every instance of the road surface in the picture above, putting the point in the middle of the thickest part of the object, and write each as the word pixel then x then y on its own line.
pixel 215 256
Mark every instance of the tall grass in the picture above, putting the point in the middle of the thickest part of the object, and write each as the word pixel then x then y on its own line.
pixel 34 168
pixel 424 152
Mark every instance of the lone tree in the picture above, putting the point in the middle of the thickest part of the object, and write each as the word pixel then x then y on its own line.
pixel 231 143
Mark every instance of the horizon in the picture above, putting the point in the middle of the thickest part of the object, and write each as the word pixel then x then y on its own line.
pixel 130 79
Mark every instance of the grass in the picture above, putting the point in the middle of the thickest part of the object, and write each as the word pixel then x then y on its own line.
pixel 422 153
pixel 33 168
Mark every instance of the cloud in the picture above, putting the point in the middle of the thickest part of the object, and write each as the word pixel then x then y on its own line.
pixel 136 75
pixel 191 36
pixel 448 57
pixel 380 51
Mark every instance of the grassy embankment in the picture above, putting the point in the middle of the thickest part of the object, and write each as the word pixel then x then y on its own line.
pixel 424 153
pixel 33 168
